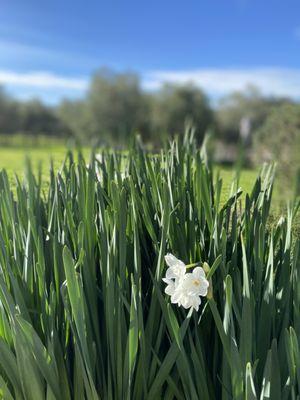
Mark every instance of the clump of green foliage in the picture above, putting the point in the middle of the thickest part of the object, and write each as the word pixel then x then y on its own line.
pixel 279 139
pixel 83 313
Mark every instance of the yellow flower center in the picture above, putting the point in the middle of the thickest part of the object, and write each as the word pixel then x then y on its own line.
pixel 196 282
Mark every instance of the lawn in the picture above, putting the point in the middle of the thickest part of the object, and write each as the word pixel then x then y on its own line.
pixel 13 160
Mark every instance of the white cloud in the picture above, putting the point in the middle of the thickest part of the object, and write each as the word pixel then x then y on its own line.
pixel 49 87
pixel 218 82
pixel 52 87
pixel 42 80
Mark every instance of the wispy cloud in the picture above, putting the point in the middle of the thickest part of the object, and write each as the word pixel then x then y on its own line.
pixel 52 87
pixel 29 55
pixel 47 86
pixel 219 82
pixel 42 80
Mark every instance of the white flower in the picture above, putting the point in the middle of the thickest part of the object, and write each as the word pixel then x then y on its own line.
pixel 174 274
pixel 195 283
pixel 192 286
pixel 184 288
pixel 176 268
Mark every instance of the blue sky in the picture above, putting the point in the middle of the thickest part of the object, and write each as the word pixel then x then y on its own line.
pixel 49 49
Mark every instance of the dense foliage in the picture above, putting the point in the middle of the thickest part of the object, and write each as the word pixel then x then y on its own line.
pixel 279 139
pixel 83 313
pixel 174 105
pixel 116 107
pixel 250 104
pixel 31 117
pixel 113 110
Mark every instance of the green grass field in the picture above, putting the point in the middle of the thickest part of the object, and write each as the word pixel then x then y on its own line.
pixel 12 159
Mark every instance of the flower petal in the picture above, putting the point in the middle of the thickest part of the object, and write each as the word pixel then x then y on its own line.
pixel 196 301
pixel 170 289
pixel 172 261
pixel 203 288
pixel 186 301
pixel 167 280
pixel 199 273
pixel 176 296
pixel 170 274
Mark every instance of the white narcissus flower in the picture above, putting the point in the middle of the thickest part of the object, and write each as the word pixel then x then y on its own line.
pixel 184 288
pixel 176 268
pixel 195 283
pixel 174 274
pixel 190 289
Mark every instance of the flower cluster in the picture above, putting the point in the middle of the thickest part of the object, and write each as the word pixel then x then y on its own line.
pixel 185 288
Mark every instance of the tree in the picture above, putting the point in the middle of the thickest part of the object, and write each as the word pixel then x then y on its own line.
pixel 75 115
pixel 36 118
pixel 9 114
pixel 279 139
pixel 249 105
pixel 114 108
pixel 174 104
pixel 116 105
